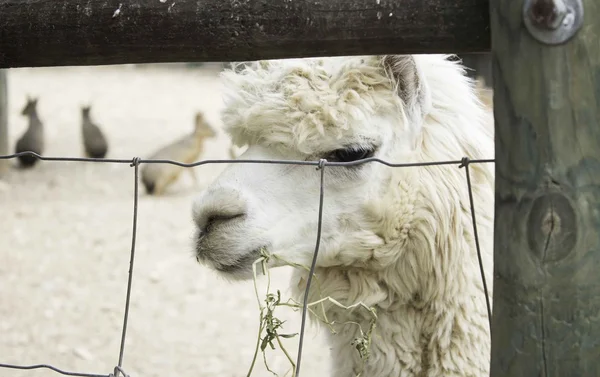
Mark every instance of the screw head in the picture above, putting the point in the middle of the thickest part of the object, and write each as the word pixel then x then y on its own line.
pixel 553 22
pixel 547 13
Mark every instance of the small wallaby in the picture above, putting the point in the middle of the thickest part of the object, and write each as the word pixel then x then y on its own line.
pixel 235 151
pixel 94 141
pixel 157 177
pixel 33 139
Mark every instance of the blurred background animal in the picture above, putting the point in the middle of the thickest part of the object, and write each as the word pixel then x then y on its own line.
pixel 94 142
pixel 235 151
pixel 33 138
pixel 157 177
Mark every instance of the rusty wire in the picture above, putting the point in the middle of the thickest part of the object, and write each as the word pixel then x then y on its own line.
pixel 118 370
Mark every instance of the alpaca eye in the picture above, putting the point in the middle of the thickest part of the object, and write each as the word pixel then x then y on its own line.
pixel 349 154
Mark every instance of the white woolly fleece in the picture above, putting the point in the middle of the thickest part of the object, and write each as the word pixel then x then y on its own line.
pixel 398 239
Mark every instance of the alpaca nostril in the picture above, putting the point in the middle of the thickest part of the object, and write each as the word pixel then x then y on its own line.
pixel 218 206
pixel 216 219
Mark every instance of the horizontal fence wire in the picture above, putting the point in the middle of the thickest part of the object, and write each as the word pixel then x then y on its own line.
pixel 57 370
pixel 320 165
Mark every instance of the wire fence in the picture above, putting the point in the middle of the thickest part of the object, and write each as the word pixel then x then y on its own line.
pixel 320 165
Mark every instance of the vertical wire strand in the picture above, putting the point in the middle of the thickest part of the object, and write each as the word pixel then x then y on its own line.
pixel 322 163
pixel 465 163
pixel 135 164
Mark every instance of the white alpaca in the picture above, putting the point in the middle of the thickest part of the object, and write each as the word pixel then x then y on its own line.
pixel 398 239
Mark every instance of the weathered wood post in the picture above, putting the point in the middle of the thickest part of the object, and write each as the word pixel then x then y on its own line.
pixel 546 73
pixel 4 149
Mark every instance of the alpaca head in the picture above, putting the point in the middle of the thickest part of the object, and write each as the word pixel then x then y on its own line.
pixel 338 108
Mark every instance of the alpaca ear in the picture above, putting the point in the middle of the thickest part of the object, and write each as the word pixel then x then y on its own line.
pixel 411 84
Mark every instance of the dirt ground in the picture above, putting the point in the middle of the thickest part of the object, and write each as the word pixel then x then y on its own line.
pixel 65 238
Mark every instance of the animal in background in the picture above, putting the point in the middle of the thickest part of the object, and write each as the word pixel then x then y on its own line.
pixel 235 151
pixel 94 142
pixel 33 139
pixel 157 177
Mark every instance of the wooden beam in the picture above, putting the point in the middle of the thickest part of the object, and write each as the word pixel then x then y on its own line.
pixel 4 146
pixel 546 315
pixel 97 32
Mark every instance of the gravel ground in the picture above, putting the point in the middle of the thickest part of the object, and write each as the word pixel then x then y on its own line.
pixel 65 238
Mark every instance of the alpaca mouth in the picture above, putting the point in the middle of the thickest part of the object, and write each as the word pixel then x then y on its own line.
pixel 227 258
pixel 240 268
pixel 242 264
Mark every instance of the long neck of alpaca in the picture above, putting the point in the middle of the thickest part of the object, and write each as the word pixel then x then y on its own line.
pixel 352 304
pixel 418 309
pixel 376 330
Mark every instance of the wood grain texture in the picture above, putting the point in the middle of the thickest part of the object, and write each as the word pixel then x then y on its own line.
pixel 98 32
pixel 546 317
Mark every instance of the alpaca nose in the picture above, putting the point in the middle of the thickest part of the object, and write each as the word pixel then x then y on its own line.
pixel 216 207
pixel 217 218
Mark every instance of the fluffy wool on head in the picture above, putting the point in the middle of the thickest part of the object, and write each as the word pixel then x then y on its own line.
pixel 397 239
pixel 307 104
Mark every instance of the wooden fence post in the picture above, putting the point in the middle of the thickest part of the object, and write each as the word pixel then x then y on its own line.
pixel 4 147
pixel 546 315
